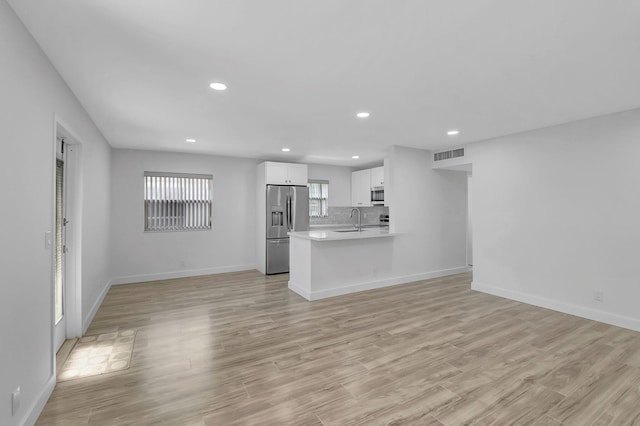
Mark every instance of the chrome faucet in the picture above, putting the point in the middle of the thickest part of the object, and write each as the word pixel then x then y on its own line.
pixel 359 227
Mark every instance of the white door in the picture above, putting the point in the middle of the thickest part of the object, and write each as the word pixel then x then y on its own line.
pixel 60 333
pixel 361 188
pixel 297 174
pixel 276 173
pixel 377 176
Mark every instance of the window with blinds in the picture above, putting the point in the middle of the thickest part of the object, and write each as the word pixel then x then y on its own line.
pixel 318 198
pixel 177 201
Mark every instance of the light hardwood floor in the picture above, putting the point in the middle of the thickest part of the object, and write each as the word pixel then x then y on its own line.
pixel 239 348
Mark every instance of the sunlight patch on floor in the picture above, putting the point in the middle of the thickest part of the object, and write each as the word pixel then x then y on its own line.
pixel 99 354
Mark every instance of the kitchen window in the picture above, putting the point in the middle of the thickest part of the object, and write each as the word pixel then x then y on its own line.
pixel 177 201
pixel 318 198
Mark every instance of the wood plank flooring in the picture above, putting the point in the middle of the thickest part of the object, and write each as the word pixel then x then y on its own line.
pixel 241 349
pixel 63 353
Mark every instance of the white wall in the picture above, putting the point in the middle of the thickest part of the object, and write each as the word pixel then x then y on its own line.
pixel 556 217
pixel 96 230
pixel 32 91
pixel 430 206
pixel 339 178
pixel 228 246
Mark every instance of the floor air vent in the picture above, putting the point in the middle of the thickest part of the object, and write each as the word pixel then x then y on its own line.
pixel 447 155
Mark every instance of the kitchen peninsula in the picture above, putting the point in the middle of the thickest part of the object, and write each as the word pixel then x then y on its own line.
pixel 334 262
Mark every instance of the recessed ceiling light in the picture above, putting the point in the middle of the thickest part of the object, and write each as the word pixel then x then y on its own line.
pixel 190 140
pixel 355 157
pixel 363 114
pixel 286 149
pixel 218 86
pixel 453 132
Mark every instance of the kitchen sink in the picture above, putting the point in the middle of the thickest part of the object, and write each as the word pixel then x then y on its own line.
pixel 350 230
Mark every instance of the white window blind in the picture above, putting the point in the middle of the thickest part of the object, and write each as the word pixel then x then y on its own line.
pixel 177 202
pixel 318 198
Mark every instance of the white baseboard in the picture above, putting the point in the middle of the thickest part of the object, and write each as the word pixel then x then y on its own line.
pixel 86 322
pixel 556 305
pixel 371 285
pixel 299 290
pixel 31 417
pixel 180 274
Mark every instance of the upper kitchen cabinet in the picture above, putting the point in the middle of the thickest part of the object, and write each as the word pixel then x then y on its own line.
pixel 377 177
pixel 297 174
pixel 361 188
pixel 285 173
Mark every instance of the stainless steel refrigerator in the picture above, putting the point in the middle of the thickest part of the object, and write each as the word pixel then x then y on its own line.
pixel 287 210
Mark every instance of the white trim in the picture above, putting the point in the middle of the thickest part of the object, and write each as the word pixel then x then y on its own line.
pixel 299 290
pixel 67 128
pixel 73 278
pixel 556 305
pixel 370 285
pixel 31 416
pixel 94 309
pixel 52 230
pixel 180 274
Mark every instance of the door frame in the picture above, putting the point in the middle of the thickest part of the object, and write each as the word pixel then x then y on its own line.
pixel 73 200
pixel 470 219
pixel 60 329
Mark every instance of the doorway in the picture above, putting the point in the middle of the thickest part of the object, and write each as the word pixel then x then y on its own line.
pixel 466 168
pixel 60 332
pixel 67 321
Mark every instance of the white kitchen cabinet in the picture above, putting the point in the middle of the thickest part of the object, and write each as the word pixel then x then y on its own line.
pixel 285 173
pixel 297 174
pixel 276 173
pixel 361 188
pixel 377 176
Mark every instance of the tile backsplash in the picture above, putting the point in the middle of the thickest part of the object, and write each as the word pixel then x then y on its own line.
pixel 340 216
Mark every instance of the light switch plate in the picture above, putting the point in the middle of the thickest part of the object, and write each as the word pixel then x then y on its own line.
pixel 47 240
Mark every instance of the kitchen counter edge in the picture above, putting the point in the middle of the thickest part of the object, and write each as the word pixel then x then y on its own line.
pixel 341 236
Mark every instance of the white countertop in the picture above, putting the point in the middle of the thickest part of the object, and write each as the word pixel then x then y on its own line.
pixel 334 226
pixel 332 235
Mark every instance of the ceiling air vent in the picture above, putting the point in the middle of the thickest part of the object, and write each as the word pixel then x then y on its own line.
pixel 447 155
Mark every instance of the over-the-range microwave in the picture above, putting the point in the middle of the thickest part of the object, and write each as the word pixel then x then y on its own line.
pixel 377 195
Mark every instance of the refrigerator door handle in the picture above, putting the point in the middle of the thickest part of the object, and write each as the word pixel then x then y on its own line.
pixel 289 213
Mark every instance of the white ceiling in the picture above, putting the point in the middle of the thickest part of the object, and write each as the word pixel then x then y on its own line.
pixel 299 70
